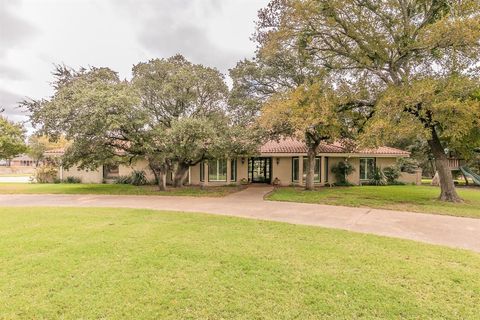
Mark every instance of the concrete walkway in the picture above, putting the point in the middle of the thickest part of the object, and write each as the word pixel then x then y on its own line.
pixel 443 230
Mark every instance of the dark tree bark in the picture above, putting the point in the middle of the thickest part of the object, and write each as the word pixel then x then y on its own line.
pixel 447 187
pixel 312 145
pixel 180 175
pixel 160 173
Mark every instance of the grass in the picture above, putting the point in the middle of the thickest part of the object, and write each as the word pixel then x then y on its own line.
pixel 113 189
pixel 405 198
pixel 73 263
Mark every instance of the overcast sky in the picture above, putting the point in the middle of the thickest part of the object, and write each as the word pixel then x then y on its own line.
pixel 35 34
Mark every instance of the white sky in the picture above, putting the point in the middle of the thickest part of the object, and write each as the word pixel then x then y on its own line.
pixel 35 34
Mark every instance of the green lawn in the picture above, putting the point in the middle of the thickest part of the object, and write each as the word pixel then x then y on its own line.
pixel 405 198
pixel 72 263
pixel 112 189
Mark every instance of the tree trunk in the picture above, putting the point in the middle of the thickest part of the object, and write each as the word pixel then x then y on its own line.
pixel 180 175
pixel 160 173
pixel 447 187
pixel 312 154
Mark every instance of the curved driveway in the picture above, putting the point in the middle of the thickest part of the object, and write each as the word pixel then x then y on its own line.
pixel 436 229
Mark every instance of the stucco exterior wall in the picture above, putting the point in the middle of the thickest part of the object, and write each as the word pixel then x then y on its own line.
pixel 411 178
pixel 386 162
pixel 140 165
pixel 95 176
pixel 282 170
pixel 332 162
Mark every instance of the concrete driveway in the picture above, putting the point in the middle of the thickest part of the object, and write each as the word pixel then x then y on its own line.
pixel 21 179
pixel 435 229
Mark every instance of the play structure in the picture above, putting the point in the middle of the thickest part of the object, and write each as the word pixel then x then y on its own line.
pixel 468 173
pixel 464 170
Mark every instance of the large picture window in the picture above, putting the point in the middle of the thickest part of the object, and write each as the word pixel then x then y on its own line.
pixel 367 168
pixel 217 170
pixel 296 169
pixel 233 170
pixel 202 171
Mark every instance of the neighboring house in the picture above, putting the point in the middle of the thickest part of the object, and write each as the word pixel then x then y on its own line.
pixel 20 161
pixel 284 161
pixel 21 164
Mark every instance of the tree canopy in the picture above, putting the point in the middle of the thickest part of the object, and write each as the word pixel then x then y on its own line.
pixel 172 113
pixel 397 46
pixel 12 139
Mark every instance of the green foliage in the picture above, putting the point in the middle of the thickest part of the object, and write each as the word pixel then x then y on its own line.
pixel 391 173
pixel 171 265
pixel 407 165
pixel 378 179
pixel 73 180
pixel 341 171
pixel 399 197
pixel 138 178
pixel 46 174
pixel 12 139
pixel 123 180
pixel 37 145
pixel 171 113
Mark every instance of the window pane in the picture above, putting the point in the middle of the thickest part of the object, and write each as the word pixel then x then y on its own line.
pixel 233 168
pixel 222 170
pixel 212 170
pixel 362 169
pixel 370 168
pixel 295 169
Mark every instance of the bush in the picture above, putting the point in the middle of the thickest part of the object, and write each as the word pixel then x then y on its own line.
pixel 341 171
pixel 123 180
pixel 138 178
pixel 46 174
pixel 391 174
pixel 72 180
pixel 407 165
pixel 378 179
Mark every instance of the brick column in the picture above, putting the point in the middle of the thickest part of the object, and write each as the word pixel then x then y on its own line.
pixel 205 174
pixel 229 171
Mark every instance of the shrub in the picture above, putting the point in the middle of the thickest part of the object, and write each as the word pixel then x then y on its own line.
pixel 391 174
pixel 378 179
pixel 123 180
pixel 138 178
pixel 341 171
pixel 73 180
pixel 46 174
pixel 407 165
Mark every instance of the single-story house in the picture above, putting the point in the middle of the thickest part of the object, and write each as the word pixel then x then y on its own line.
pixel 281 161
pixel 22 160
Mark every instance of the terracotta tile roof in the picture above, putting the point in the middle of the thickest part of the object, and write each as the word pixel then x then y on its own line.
pixel 59 151
pixel 384 150
pixel 289 145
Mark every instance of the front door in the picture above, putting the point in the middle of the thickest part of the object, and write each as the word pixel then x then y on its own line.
pixel 260 170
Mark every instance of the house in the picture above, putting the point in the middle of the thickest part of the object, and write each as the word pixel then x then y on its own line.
pixel 282 161
pixel 22 164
